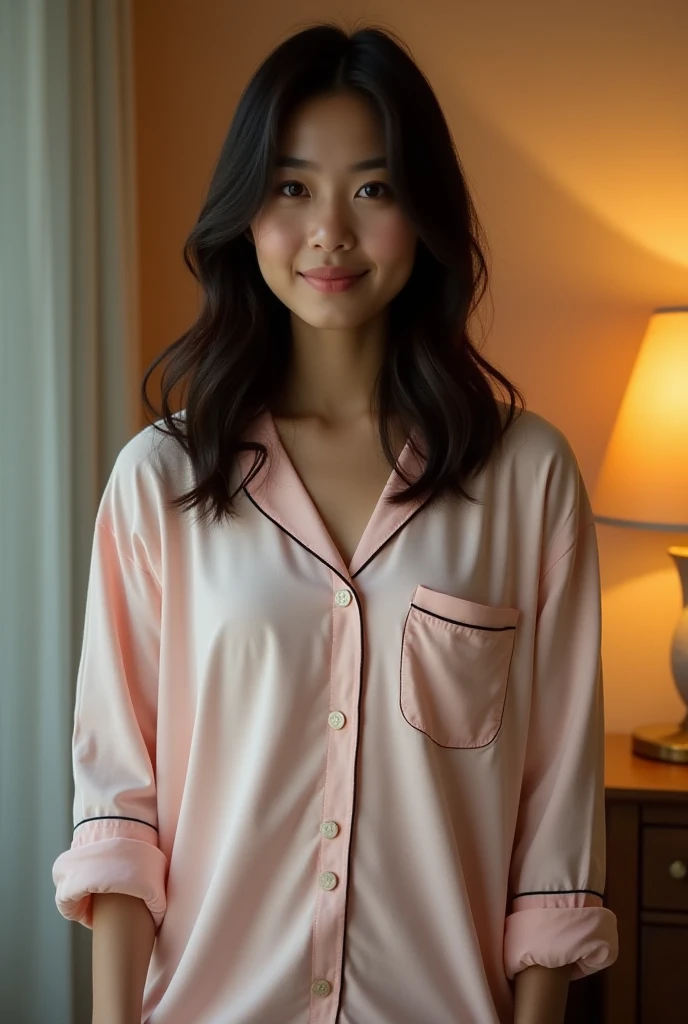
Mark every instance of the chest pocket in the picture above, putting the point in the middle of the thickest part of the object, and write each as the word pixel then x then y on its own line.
pixel 455 661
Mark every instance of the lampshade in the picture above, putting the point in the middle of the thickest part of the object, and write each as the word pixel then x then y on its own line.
pixel 644 477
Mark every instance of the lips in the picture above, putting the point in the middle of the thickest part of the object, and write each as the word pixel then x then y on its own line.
pixel 333 285
pixel 332 273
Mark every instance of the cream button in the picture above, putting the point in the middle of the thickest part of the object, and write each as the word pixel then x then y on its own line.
pixel 343 597
pixel 328 880
pixel 329 829
pixel 321 987
pixel 336 719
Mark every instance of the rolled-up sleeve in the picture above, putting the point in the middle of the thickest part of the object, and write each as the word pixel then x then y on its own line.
pixel 557 873
pixel 115 841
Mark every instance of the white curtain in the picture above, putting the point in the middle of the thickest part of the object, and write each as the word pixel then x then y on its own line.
pixel 68 402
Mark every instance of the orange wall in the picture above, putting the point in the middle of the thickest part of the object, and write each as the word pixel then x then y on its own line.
pixel 572 136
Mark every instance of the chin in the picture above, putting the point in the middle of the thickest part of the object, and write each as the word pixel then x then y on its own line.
pixel 330 323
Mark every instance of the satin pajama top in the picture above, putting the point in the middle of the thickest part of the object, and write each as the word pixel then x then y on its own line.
pixel 364 794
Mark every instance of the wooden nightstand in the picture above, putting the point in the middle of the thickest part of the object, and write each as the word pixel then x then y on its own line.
pixel 647 889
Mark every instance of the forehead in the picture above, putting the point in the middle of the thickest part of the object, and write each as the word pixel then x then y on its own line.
pixel 341 127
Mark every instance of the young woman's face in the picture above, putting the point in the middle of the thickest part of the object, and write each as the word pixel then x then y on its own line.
pixel 331 214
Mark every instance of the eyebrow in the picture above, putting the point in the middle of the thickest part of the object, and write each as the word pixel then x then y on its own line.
pixel 363 165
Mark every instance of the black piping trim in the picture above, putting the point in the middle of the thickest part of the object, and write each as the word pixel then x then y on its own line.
pixel 299 542
pixel 458 622
pixel 556 892
pixel 118 817
pixel 324 560
pixel 444 746
pixel 392 536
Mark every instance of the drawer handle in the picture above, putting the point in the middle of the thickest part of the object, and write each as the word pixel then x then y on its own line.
pixel 678 869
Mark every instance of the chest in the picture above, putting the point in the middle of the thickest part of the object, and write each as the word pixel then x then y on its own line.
pixel 344 472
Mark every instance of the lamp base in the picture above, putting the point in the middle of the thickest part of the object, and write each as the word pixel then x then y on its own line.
pixel 662 742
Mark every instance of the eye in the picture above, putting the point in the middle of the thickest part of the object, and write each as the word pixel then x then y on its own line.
pixel 377 184
pixel 370 184
pixel 287 184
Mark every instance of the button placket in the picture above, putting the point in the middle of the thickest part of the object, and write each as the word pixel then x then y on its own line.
pixel 342 727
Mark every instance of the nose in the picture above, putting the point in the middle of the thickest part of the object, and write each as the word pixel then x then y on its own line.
pixel 331 226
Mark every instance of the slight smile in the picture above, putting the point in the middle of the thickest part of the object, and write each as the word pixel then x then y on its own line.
pixel 337 284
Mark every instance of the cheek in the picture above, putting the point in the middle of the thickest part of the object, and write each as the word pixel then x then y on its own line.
pixel 276 238
pixel 392 241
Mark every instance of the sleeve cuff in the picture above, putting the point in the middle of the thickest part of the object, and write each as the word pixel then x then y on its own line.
pixel 585 937
pixel 106 859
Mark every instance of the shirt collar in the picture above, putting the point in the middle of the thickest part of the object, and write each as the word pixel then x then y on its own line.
pixel 278 491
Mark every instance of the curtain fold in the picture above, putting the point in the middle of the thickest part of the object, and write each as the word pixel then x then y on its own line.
pixel 68 388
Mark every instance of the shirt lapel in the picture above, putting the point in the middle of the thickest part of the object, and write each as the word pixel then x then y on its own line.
pixel 279 492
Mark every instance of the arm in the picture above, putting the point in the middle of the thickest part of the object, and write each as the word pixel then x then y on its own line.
pixel 115 841
pixel 540 994
pixel 115 847
pixel 555 912
pixel 123 936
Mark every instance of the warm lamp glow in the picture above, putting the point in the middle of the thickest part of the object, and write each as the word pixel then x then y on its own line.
pixel 644 477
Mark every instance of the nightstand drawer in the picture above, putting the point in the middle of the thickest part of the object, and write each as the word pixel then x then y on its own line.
pixel 663 980
pixel 665 868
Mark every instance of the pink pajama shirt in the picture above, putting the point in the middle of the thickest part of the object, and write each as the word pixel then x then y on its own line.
pixel 365 794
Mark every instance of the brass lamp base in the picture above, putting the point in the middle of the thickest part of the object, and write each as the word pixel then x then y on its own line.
pixel 670 742
pixel 662 742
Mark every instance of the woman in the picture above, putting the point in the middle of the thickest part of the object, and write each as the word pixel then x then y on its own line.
pixel 338 731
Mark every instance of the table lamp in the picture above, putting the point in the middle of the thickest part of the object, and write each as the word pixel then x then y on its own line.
pixel 643 483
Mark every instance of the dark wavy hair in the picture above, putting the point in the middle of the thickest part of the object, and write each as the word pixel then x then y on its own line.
pixel 231 363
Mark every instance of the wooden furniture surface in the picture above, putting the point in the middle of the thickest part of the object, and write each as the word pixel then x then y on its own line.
pixel 647 889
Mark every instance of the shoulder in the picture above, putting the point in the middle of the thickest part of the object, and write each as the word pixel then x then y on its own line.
pixel 536 442
pixel 151 467
pixel 544 474
pixel 152 450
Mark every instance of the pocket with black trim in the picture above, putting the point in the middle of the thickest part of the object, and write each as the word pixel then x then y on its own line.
pixel 455 661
